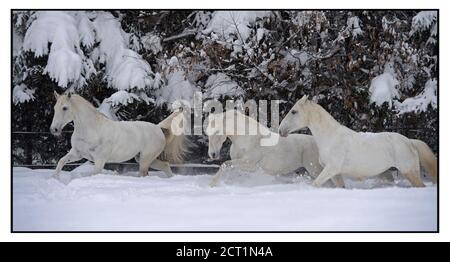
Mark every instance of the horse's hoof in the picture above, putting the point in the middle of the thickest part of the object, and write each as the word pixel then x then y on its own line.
pixel 315 184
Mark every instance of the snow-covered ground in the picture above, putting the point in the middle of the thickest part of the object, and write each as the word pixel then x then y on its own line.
pixel 241 202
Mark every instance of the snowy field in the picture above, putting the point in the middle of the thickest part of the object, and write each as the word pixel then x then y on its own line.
pixel 247 202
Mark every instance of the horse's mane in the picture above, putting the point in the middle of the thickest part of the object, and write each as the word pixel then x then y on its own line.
pixel 321 114
pixel 86 104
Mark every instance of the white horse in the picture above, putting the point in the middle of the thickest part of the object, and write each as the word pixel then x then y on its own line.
pixel 102 140
pixel 247 152
pixel 349 153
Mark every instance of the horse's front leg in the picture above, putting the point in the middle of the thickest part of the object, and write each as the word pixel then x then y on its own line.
pixel 99 164
pixel 216 178
pixel 72 156
pixel 241 163
pixel 328 172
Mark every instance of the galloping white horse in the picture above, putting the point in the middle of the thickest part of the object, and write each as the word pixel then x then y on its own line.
pixel 102 140
pixel 349 153
pixel 247 153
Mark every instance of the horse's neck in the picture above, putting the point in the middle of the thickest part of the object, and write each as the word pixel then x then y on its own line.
pixel 249 139
pixel 321 124
pixel 86 117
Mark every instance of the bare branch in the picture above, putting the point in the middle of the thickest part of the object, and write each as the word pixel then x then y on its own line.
pixel 184 34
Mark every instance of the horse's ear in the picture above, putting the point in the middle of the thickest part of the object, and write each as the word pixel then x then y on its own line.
pixel 303 99
pixel 69 95
pixel 56 95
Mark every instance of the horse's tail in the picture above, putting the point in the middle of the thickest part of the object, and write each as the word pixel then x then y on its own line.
pixel 176 145
pixel 427 158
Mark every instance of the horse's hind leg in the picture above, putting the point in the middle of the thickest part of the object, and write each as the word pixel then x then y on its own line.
pixel 162 166
pixel 144 163
pixel 414 178
pixel 338 181
pixel 412 173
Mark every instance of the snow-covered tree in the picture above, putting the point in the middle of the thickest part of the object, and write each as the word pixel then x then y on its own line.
pixel 373 70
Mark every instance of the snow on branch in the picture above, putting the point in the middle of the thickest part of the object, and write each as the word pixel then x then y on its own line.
pixel 69 66
pixel 65 59
pixel 220 85
pixel 353 25
pixel 420 102
pixel 383 87
pixel 423 21
pixel 21 93
pixel 177 87
pixel 125 68
pixel 228 23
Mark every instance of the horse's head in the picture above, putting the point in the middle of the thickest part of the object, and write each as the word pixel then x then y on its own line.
pixel 295 119
pixel 63 113
pixel 216 135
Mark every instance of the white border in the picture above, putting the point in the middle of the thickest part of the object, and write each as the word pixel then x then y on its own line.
pixel 5 90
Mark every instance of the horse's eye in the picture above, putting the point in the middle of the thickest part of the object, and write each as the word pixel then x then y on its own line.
pixel 64 108
pixel 294 112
